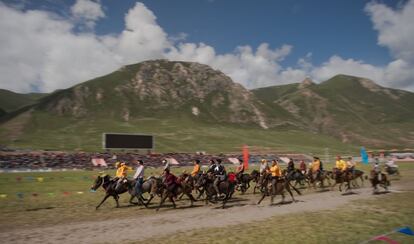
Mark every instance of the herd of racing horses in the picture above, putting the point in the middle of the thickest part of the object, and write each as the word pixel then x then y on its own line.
pixel 203 185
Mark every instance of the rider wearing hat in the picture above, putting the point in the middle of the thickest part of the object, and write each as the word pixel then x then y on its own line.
pixel 220 175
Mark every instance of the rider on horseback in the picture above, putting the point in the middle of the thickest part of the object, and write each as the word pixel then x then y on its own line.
pixel 264 167
pixel 239 170
pixel 121 174
pixel 170 181
pixel 340 165
pixel 220 175
pixel 196 169
pixel 275 172
pixel 350 164
pixel 302 167
pixel 290 168
pixel 315 168
pixel 139 177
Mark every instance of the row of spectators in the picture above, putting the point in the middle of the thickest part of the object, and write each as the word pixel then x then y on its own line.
pixel 83 160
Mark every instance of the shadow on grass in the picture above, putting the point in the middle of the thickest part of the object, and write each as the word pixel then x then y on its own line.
pixel 37 209
pixel 349 193
pixel 381 192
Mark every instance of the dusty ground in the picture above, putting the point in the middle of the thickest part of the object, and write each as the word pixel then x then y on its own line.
pixel 168 221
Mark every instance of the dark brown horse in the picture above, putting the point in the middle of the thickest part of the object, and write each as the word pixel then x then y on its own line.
pixel 180 187
pixel 272 188
pixel 379 179
pixel 226 188
pixel 112 191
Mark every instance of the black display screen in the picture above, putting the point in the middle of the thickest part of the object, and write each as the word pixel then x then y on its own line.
pixel 128 141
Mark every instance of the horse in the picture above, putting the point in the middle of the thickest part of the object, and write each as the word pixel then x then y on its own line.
pixel 111 189
pixel 375 181
pixel 206 181
pixel 243 182
pixel 151 186
pixel 357 174
pixel 341 178
pixel 320 177
pixel 296 176
pixel 191 181
pixel 279 187
pixel 180 186
pixel 255 176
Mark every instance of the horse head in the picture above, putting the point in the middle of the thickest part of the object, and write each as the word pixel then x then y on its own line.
pixel 100 180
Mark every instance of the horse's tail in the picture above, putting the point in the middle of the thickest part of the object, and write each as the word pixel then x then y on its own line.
pixel 294 188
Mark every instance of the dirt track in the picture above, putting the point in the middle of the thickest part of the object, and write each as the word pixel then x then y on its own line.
pixel 167 221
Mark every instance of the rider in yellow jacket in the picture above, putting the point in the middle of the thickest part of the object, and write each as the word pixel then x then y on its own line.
pixel 340 164
pixel 196 168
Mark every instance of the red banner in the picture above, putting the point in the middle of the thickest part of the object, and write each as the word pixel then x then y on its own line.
pixel 245 157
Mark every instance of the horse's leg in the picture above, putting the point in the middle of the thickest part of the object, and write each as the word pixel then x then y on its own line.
pixel 149 200
pixel 181 196
pixel 290 193
pixel 116 197
pixel 261 199
pixel 103 200
pixel 173 202
pixel 130 200
pixel 162 201
pixel 189 195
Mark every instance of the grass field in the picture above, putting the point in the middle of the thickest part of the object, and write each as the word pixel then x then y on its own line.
pixel 58 201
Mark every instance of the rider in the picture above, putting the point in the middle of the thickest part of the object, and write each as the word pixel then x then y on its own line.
pixel 121 173
pixel 170 181
pixel 239 170
pixel 220 175
pixel 211 166
pixel 377 170
pixel 290 168
pixel 196 169
pixel 302 167
pixel 315 168
pixel 390 166
pixel 264 167
pixel 350 165
pixel 275 171
pixel 340 165
pixel 139 177
pixel 166 164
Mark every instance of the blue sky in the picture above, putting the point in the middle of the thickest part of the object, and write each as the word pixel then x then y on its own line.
pixel 324 34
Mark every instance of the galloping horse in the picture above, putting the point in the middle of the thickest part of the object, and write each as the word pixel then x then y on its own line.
pixel 181 186
pixel 279 187
pixel 225 187
pixel 375 181
pixel 111 190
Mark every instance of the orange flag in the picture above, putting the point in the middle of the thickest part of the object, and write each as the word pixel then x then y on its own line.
pixel 245 157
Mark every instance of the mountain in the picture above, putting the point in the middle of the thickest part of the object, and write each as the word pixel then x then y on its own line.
pixel 192 107
pixel 352 109
pixel 10 101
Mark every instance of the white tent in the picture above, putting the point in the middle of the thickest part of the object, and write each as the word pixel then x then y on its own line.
pixel 233 160
pixel 99 162
pixel 172 161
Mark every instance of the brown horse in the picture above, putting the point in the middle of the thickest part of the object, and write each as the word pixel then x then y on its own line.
pixel 111 190
pixel 321 177
pixel 206 181
pixel 272 188
pixel 181 186
pixel 381 180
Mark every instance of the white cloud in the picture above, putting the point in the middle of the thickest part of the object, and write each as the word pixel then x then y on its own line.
pixel 87 11
pixel 43 50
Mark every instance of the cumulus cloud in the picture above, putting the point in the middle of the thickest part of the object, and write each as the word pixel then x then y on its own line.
pixel 45 51
pixel 87 12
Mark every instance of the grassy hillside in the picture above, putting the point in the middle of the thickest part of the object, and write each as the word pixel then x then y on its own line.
pixel 172 134
pixel 10 101
pixel 349 108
